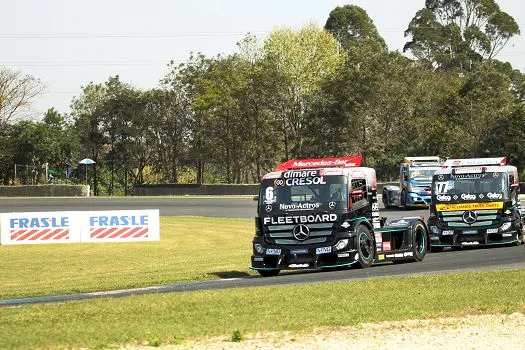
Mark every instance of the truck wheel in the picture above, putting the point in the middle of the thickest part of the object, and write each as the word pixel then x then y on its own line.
pixel 269 273
pixel 419 241
pixel 385 199
pixel 365 246
pixel 403 199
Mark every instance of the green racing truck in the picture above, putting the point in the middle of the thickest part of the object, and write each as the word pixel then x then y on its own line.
pixel 323 213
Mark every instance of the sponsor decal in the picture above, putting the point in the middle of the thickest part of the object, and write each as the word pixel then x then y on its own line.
pixel 118 226
pixel 300 173
pixel 492 230
pixel 443 198
pixel 375 206
pixel 305 181
pixel 494 195
pixel 386 246
pixel 300 219
pixel 467 176
pixel 299 206
pixel 469 206
pixel 381 257
pixel 399 222
pixel 345 224
pixel 389 256
pixel 468 197
pixel 447 232
pixel 39 228
pixel 470 243
pixel 405 254
pixel 278 182
pixel 398 255
pixel 323 163
pixel 378 237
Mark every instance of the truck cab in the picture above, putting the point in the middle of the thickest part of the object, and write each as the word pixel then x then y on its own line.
pixel 415 178
pixel 475 202
pixel 323 213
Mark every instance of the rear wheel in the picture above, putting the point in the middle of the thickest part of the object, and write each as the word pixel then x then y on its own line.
pixel 269 273
pixel 365 246
pixel 419 241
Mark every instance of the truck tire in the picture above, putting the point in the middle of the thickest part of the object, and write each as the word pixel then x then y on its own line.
pixel 269 273
pixel 403 200
pixel 519 236
pixel 385 199
pixel 365 246
pixel 419 241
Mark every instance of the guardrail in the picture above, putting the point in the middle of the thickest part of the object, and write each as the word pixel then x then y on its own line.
pixel 54 190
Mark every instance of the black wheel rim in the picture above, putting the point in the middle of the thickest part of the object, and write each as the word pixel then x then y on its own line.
pixel 365 246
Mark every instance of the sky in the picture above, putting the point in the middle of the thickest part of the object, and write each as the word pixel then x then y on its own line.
pixel 67 44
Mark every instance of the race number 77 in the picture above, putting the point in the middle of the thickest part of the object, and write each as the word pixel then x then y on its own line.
pixel 441 187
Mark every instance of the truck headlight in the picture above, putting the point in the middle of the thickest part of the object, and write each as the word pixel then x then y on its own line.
pixel 341 244
pixel 258 248
pixel 434 230
pixel 505 226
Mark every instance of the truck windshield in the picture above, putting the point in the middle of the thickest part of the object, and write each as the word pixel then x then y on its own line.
pixel 304 193
pixel 481 186
pixel 422 173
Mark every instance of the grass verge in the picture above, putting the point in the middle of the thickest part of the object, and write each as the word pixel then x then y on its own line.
pixel 190 249
pixel 170 318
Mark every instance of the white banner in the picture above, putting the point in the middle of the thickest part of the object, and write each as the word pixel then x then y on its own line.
pixel 79 226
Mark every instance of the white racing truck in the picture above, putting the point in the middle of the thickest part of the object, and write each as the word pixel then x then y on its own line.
pixel 415 178
pixel 323 213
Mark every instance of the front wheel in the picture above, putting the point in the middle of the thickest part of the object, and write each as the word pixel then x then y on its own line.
pixel 419 241
pixel 403 199
pixel 269 273
pixel 365 246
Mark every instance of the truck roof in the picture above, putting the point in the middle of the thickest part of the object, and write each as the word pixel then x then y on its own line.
pixel 310 163
pixel 423 161
pixel 455 163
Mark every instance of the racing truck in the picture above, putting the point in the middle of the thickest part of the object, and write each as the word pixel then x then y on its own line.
pixel 323 213
pixel 415 177
pixel 475 202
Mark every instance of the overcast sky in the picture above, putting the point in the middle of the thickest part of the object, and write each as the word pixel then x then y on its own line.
pixel 68 43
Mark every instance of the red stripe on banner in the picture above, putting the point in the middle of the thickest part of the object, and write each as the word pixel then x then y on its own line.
pixel 142 233
pixel 135 229
pixel 119 232
pixel 15 234
pixel 53 235
pixel 38 235
pixel 96 231
pixel 107 232
pixel 64 234
pixel 29 233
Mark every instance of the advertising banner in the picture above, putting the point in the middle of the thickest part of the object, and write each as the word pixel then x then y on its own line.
pixel 79 226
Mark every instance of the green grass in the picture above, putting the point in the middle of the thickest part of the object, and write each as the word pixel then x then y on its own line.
pixel 172 318
pixel 190 248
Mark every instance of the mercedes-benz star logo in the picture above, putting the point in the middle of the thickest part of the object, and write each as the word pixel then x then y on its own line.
pixel 301 232
pixel 332 205
pixel 268 208
pixel 469 216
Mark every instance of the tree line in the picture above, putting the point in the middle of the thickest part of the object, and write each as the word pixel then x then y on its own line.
pixel 311 92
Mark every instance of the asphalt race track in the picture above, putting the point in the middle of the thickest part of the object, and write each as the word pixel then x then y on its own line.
pixel 447 261
pixel 234 207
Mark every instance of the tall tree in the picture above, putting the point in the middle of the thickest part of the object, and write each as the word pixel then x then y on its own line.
pixel 16 92
pixel 459 34
pixel 352 27
pixel 301 61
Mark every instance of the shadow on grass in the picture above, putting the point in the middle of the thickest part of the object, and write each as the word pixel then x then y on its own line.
pixel 230 274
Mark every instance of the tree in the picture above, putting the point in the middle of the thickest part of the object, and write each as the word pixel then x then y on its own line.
pixel 16 92
pixel 459 34
pixel 299 61
pixel 352 28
